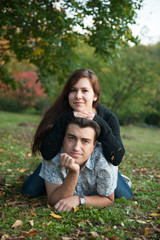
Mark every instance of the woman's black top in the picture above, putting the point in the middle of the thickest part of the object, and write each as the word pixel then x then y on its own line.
pixel 110 138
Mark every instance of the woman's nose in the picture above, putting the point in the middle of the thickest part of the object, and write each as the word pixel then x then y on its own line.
pixel 78 95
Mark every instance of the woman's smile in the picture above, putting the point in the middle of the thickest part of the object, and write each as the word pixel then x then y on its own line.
pixel 82 96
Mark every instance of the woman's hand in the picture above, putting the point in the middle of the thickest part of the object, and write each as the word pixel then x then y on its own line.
pixel 85 114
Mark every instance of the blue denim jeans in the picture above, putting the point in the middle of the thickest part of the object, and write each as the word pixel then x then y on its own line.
pixel 34 186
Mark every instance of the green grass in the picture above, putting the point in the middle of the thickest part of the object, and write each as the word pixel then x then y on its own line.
pixel 138 218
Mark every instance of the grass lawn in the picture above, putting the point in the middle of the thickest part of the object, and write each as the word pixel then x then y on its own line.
pixel 125 219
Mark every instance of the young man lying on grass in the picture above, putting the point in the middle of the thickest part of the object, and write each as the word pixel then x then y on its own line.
pixel 79 174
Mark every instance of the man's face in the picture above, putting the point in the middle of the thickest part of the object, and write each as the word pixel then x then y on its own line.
pixel 79 143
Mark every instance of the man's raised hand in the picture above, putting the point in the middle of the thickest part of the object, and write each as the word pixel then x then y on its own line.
pixel 69 163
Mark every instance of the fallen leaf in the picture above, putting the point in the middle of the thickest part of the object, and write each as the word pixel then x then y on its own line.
pixel 81 223
pixel 46 224
pixel 146 231
pixel 156 229
pixel 32 232
pixel 5 237
pixel 21 170
pixel 131 220
pixel 3 164
pixel 114 237
pixel 33 214
pixel 66 238
pixel 140 221
pixel 76 209
pixel 36 204
pixel 55 215
pixel 136 206
pixel 155 214
pixel 31 222
pixel 94 234
pixel 19 182
pixel 107 229
pixel 17 223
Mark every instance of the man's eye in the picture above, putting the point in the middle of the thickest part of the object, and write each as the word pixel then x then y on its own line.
pixel 85 141
pixel 71 138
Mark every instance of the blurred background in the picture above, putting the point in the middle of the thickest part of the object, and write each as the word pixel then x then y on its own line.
pixel 42 42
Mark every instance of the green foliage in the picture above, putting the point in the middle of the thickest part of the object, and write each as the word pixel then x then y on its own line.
pixel 11 105
pixel 130 86
pixel 45 33
pixel 153 119
pixel 124 220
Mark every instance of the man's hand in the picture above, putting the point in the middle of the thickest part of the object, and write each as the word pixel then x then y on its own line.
pixel 85 114
pixel 67 204
pixel 69 163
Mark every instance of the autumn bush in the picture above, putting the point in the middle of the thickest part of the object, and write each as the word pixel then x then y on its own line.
pixel 29 93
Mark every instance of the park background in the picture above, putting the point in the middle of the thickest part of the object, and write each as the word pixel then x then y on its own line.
pixel 38 51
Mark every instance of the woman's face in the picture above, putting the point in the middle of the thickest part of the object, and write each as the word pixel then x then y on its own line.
pixel 82 96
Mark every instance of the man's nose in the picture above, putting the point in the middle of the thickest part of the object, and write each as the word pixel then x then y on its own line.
pixel 77 145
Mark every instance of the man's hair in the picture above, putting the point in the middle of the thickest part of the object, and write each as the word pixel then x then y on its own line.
pixel 84 122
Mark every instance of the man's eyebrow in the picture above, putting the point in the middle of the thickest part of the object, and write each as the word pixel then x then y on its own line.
pixel 71 135
pixel 87 139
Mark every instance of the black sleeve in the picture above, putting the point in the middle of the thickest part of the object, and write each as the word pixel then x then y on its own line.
pixel 52 142
pixel 110 139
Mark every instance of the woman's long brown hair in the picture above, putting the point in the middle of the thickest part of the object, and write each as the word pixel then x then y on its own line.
pixel 61 105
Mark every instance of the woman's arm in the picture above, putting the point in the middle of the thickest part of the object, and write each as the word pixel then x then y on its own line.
pixel 52 142
pixel 110 139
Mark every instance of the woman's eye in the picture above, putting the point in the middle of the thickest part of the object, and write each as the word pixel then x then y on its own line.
pixel 72 90
pixel 84 90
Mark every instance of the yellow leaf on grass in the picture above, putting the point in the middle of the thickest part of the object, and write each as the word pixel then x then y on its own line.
pixel 17 223
pixel 21 170
pixel 55 215
pixel 146 231
pixel 33 214
pixel 19 182
pixel 76 209
pixel 155 214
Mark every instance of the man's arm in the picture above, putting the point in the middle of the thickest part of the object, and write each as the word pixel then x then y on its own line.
pixel 74 201
pixel 56 192
pixel 99 201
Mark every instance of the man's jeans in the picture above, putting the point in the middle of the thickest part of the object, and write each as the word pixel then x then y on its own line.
pixel 34 186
